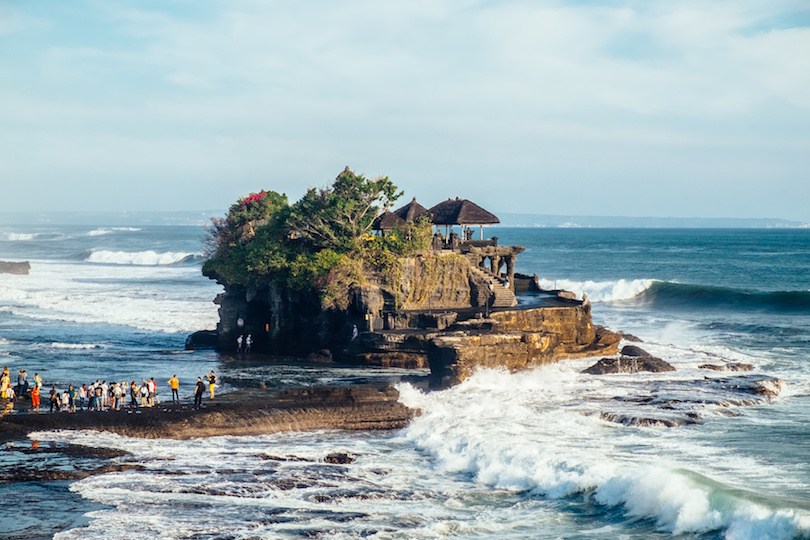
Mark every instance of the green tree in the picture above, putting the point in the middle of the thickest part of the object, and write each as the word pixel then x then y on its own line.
pixel 232 254
pixel 337 217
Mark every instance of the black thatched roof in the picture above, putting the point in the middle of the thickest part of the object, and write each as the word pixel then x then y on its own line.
pixel 461 212
pixel 410 211
pixel 386 221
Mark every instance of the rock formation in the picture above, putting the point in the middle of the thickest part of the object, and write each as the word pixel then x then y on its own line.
pixel 438 316
pixel 632 360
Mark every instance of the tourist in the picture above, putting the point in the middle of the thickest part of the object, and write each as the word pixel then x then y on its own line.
pixel 54 397
pixel 11 394
pixel 91 397
pixel 133 395
pixel 355 332
pixel 174 384
pixel 248 343
pixel 35 398
pixel 239 343
pixel 115 392
pixel 144 393
pixel 105 395
pixel 65 403
pixel 98 392
pixel 82 396
pixel 212 382
pixel 152 385
pixel 22 382
pixel 198 393
pixel 37 380
pixel 71 398
pixel 5 383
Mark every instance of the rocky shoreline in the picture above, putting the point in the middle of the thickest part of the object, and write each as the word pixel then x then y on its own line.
pixel 243 412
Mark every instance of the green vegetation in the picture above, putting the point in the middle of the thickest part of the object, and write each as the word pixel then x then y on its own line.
pixel 322 243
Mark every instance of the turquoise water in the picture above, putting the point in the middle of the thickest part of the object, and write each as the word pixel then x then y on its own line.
pixel 527 455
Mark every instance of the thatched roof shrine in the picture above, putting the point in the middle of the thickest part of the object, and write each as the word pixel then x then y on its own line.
pixel 461 212
pixel 410 211
pixel 387 220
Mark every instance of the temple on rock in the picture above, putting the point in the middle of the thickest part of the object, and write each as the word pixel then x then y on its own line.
pixel 494 264
pixel 450 305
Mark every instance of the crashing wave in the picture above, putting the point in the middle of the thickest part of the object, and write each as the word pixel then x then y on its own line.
pixel 20 237
pixel 521 432
pixel 601 291
pixel 78 346
pixel 141 258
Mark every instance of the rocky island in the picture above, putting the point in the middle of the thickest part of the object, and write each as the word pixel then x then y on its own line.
pixel 339 277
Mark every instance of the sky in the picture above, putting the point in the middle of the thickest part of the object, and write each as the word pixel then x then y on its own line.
pixel 688 108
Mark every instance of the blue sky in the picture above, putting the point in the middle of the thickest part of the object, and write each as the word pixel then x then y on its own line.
pixel 628 108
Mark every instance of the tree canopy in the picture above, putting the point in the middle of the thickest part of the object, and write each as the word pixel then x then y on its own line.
pixel 321 242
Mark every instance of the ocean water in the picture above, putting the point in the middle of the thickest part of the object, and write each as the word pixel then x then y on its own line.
pixel 547 453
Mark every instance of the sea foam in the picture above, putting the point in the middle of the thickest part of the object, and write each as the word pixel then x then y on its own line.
pixel 533 432
pixel 601 291
pixel 139 258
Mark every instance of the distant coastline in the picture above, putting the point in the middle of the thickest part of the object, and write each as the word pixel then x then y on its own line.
pixel 202 218
pixel 628 222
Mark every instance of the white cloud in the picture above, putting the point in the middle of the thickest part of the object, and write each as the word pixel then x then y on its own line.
pixel 423 91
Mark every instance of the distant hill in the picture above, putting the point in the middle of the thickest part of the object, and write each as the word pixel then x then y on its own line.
pixel 561 221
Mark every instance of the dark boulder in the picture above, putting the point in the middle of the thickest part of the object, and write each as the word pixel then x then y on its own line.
pixel 632 350
pixel 339 458
pixel 629 364
pixel 202 339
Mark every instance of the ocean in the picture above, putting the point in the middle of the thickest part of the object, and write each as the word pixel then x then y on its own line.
pixel 549 453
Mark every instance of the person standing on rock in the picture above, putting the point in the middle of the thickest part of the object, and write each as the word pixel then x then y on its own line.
pixel 212 383
pixel 54 396
pixel 248 343
pixel 133 395
pixel 198 393
pixel 174 384
pixel 5 383
pixel 239 343
pixel 35 398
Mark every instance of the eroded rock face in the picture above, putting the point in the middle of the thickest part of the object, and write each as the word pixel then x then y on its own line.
pixel 517 339
pixel 629 364
pixel 18 268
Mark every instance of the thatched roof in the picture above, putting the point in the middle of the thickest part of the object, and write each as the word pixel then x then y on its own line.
pixel 386 221
pixel 410 211
pixel 461 212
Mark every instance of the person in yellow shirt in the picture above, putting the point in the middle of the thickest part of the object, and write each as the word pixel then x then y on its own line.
pixel 174 384
pixel 212 383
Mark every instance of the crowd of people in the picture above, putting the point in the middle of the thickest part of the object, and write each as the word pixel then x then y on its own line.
pixel 99 395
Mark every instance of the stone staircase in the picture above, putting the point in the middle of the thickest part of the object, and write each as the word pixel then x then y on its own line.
pixel 503 295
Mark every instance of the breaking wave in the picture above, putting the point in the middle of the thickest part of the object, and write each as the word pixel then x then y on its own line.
pixel 674 295
pixel 669 294
pixel 521 432
pixel 103 231
pixel 78 346
pixel 142 258
pixel 601 291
